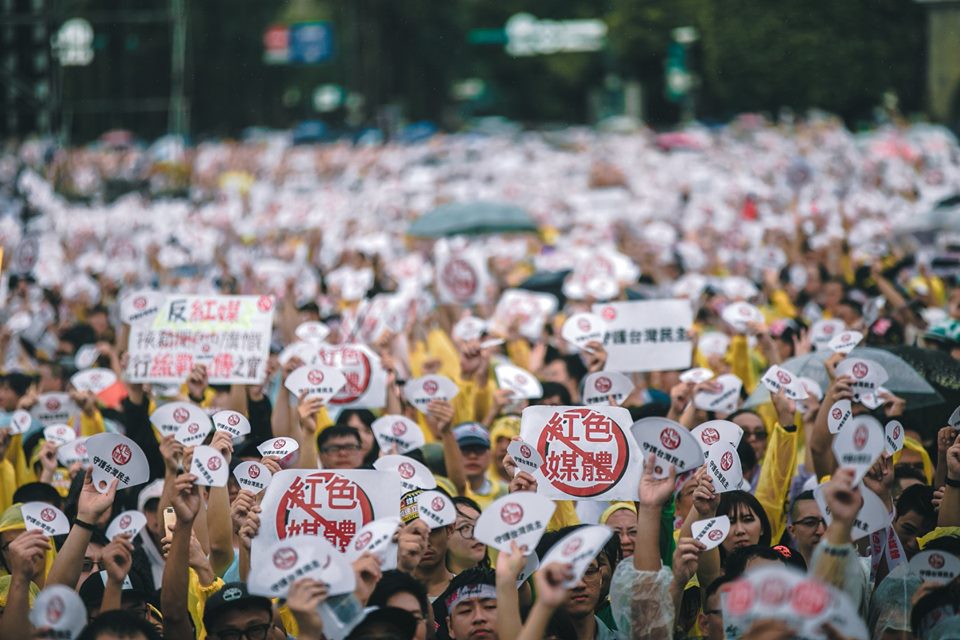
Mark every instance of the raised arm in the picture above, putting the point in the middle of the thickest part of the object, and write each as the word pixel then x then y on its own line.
pixel 93 510
pixel 173 594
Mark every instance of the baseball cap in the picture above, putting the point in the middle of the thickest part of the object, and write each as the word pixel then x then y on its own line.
pixel 471 434
pixel 233 595
pixel 152 490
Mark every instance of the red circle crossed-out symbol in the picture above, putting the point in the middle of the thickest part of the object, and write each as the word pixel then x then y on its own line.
pixel 430 387
pixel 710 436
pixel 193 428
pixel 715 535
pixel 437 504
pixel 213 463
pixel 836 413
pixel 180 414
pixel 511 513
pixel 48 514
pixel 860 370
pixel 315 376
pixel 572 547
pixel 810 598
pixel 406 470
pixel 233 419
pixel 125 521
pixel 525 451
pixel 784 377
pixel 55 609
pixel 739 597
pixel 121 454
pixel 139 303
pixel 53 404
pixel 726 461
pixel 253 471
pixel 279 443
pixel 399 428
pixel 583 324
pixel 860 436
pixel 265 303
pixel 284 558
pixel 609 313
pixel 936 561
pixel 362 540
pixel 670 438
pixel 603 384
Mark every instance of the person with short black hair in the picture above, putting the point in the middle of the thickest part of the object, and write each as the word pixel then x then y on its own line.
pixel 38 492
pixel 807 524
pixel 467 609
pixel 340 448
pixel 119 625
pixel 916 517
pixel 403 591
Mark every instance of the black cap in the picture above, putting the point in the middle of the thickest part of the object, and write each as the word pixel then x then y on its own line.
pixel 385 623
pixel 233 595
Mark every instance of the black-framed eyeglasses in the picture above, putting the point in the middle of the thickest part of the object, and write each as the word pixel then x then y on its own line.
pixel 465 531
pixel 811 522
pixel 759 434
pixel 87 565
pixel 712 612
pixel 254 632
pixel 340 448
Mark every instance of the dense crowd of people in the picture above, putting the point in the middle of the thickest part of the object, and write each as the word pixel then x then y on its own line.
pixel 424 494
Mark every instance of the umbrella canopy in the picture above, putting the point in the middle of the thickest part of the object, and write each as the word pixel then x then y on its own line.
pixel 904 380
pixel 474 218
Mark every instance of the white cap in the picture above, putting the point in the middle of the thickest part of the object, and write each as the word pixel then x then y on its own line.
pixel 152 490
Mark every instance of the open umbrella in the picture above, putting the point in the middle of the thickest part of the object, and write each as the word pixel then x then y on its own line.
pixel 903 379
pixel 473 218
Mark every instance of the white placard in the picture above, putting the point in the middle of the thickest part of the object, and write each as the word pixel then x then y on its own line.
pixel 54 408
pixel 647 335
pixel 525 455
pixel 93 380
pixel 520 517
pixel 377 538
pixel 582 328
pixel 840 414
pixel 59 434
pixel 670 442
pixel 333 504
pixel 278 447
pixel 43 517
pixel 171 417
pixel 600 387
pixel 436 509
pixel 461 278
pixel 140 306
pixel 578 549
pixel 210 467
pixel 252 476
pixel 528 309
pixel 723 466
pixel 274 571
pixel 230 335
pixel 128 522
pixel 316 381
pixel 421 391
pixel 233 422
pixel 520 382
pixel 413 474
pixel 859 444
pixel 725 399
pixel 61 610
pixel 588 452
pixel 893 436
pixel 714 431
pixel 711 532
pixel 397 434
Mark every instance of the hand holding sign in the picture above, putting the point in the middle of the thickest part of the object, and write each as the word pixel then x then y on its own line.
pixel 521 383
pixel 519 518
pixel 210 467
pixel 859 445
pixel 420 392
pixel 315 381
pixel 606 387
pixel 577 550
pixel 583 328
pixel 116 457
pixel 397 434
pixel 233 422
pixel 41 516
pixel 711 532
pixel 129 523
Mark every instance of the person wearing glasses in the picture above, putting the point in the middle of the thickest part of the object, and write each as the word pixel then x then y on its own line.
pixel 807 524
pixel 234 614
pixel 340 448
pixel 710 618
pixel 463 550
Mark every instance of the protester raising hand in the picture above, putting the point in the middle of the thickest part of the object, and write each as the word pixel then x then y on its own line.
pixel 411 545
pixel 595 356
pixel 304 600
pixel 551 594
